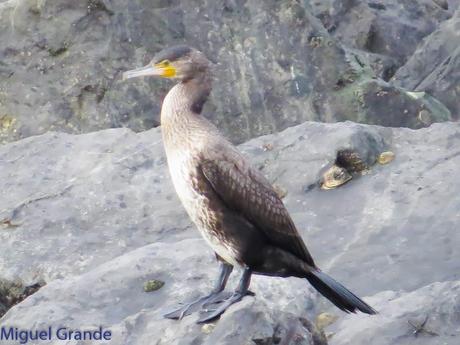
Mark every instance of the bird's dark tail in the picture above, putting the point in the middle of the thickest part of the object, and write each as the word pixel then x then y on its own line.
pixel 337 293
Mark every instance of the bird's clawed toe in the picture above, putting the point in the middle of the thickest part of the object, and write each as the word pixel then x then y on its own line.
pixel 179 313
pixel 186 309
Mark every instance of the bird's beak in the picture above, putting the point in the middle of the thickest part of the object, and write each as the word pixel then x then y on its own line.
pixel 149 70
pixel 155 70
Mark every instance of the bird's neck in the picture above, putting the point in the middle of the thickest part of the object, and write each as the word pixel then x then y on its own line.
pixel 198 90
pixel 186 98
pixel 182 106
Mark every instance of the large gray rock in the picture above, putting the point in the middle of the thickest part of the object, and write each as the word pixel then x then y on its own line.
pixel 60 61
pixel 95 216
pixel 135 317
pixel 109 184
pixel 437 304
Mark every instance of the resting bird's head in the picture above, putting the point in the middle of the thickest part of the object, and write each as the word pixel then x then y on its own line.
pixel 178 62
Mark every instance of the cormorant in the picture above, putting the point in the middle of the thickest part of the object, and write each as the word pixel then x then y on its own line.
pixel 232 204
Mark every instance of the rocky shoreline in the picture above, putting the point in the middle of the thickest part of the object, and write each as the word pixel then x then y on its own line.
pixel 99 219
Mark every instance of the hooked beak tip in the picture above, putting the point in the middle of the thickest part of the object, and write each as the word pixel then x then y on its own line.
pixel 126 75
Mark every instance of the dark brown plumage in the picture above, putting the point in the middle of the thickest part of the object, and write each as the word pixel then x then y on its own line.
pixel 232 204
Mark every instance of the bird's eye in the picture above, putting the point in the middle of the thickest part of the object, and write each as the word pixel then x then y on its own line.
pixel 165 62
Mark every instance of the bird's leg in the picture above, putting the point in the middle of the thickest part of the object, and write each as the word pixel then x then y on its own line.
pixel 214 296
pixel 241 291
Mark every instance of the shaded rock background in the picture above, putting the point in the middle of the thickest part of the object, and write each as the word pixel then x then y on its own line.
pixel 435 65
pixel 95 216
pixel 280 63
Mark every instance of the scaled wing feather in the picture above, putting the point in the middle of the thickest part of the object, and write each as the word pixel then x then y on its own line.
pixel 247 192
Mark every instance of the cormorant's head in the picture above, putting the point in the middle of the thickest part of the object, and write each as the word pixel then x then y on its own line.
pixel 177 62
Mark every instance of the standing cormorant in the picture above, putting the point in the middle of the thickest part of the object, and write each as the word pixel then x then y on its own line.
pixel 232 204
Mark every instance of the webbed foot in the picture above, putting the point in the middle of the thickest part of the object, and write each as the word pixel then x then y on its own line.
pixel 189 308
pixel 209 313
pixel 217 295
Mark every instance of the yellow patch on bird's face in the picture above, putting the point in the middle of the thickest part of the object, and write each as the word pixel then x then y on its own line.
pixel 168 70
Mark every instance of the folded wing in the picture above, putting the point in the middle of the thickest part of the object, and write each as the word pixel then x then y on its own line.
pixel 247 192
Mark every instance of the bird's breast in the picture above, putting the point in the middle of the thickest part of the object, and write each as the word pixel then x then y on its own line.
pixel 191 188
pixel 183 173
pixel 201 203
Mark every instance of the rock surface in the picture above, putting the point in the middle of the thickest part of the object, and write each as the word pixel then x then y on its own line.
pixel 280 63
pixel 435 66
pixel 95 216
pixel 389 28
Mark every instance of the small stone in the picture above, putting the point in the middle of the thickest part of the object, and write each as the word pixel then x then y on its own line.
pixel 8 223
pixel 329 335
pixel 6 122
pixel 385 157
pixel 208 328
pixel 325 319
pixel 282 192
pixel 267 147
pixel 153 285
